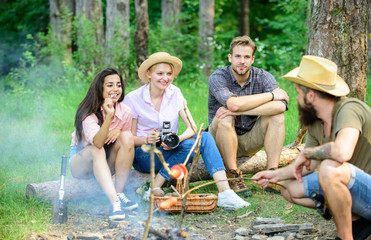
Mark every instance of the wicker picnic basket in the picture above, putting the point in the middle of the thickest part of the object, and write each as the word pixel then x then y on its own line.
pixel 197 203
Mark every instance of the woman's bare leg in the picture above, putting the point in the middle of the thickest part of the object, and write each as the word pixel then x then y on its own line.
pixel 92 162
pixel 121 158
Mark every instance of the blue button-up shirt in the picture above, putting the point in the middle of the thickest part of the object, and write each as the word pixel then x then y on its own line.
pixel 223 85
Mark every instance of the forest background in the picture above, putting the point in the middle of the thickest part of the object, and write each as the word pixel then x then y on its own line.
pixel 41 86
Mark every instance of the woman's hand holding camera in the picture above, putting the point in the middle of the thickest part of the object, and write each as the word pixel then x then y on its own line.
pixel 151 136
pixel 165 147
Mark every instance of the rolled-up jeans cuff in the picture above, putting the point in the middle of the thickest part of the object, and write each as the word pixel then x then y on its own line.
pixel 352 176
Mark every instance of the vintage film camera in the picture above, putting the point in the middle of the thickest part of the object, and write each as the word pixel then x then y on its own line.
pixel 168 137
pixel 319 201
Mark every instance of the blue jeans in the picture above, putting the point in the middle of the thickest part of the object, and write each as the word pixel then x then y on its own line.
pixel 359 187
pixel 208 149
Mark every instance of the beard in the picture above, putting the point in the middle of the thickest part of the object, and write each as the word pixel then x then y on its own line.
pixel 307 114
pixel 240 72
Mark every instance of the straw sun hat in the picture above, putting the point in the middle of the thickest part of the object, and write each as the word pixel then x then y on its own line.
pixel 159 57
pixel 320 74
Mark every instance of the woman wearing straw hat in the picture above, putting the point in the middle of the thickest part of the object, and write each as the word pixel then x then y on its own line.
pixel 159 101
pixel 338 143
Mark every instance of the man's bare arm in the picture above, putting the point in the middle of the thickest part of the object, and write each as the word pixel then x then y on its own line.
pixel 340 150
pixel 319 153
pixel 266 109
pixel 245 103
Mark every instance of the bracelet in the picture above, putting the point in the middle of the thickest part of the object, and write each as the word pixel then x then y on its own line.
pixel 272 96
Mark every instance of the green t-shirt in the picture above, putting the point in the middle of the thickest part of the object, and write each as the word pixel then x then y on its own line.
pixel 348 112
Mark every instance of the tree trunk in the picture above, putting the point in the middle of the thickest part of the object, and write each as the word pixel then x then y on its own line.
pixel 206 35
pixel 338 31
pixel 61 16
pixel 170 10
pixel 369 36
pixel 244 17
pixel 80 188
pixel 118 35
pixel 90 34
pixel 141 31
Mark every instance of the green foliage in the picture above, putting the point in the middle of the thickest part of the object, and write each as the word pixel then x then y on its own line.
pixel 18 18
pixel 117 51
pixel 89 54
pixel 181 45
pixel 29 78
pixel 51 46
pixel 274 24
pixel 282 48
pixel 24 14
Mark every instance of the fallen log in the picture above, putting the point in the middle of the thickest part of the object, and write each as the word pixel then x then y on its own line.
pixel 251 165
pixel 87 188
pixel 75 189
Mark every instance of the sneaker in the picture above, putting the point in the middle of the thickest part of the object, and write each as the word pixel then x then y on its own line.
pixel 116 212
pixel 230 199
pixel 157 191
pixel 126 203
pixel 238 185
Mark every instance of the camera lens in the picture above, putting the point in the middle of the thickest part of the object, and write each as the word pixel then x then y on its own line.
pixel 171 140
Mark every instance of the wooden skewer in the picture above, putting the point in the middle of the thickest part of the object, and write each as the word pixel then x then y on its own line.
pixel 176 191
pixel 193 126
pixel 194 145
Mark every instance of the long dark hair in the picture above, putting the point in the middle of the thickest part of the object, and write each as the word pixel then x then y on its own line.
pixel 94 100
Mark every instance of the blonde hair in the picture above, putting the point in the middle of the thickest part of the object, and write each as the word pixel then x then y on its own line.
pixel 242 41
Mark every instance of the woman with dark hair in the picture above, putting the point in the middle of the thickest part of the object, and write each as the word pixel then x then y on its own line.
pixel 102 143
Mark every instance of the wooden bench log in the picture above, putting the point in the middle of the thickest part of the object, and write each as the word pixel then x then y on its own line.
pixel 251 165
pixel 75 189
pixel 87 188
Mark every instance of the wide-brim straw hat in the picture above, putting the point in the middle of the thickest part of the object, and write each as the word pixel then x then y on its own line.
pixel 320 74
pixel 159 57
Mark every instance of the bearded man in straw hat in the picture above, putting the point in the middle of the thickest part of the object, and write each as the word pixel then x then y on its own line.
pixel 336 161
pixel 246 111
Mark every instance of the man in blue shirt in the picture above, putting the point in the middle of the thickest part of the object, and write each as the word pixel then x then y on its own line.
pixel 246 111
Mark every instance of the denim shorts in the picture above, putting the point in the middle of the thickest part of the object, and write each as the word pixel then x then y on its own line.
pixel 73 151
pixel 359 187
